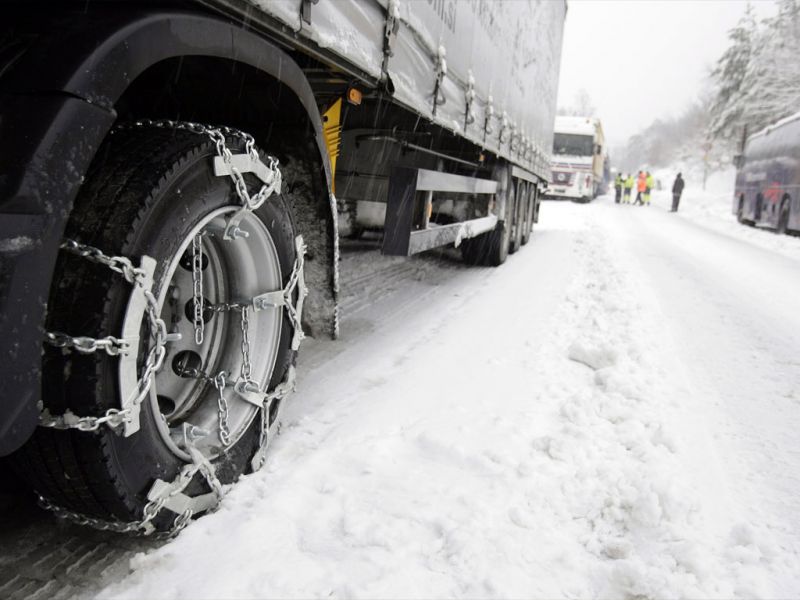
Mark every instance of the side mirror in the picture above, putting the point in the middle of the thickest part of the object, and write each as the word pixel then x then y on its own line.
pixel 598 149
pixel 738 161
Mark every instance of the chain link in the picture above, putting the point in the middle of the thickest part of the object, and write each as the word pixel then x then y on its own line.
pixel 79 519
pixel 113 417
pixel 263 433
pixel 197 287
pixel 226 306
pixel 296 282
pixel 119 264
pixel 222 412
pixel 200 464
pixel 150 512
pixel 247 368
pixel 283 389
pixel 287 386
pixel 217 135
pixel 86 345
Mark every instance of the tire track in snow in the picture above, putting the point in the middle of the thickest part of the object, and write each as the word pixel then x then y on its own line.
pixel 617 443
pixel 728 309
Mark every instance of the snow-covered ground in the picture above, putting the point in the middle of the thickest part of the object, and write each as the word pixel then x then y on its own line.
pixel 613 413
pixel 713 208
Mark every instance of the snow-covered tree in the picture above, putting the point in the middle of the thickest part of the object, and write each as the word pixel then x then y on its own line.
pixel 757 79
pixel 771 85
pixel 728 106
pixel 667 140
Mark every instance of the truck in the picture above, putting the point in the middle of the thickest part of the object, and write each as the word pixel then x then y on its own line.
pixel 174 177
pixel 579 164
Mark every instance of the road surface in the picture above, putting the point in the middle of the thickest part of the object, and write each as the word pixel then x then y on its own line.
pixel 611 413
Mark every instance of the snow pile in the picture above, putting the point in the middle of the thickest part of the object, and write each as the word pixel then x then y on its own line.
pixel 613 447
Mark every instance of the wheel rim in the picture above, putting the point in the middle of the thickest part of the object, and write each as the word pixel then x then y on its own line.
pixel 183 393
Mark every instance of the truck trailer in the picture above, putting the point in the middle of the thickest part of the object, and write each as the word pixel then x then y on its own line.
pixel 173 178
pixel 579 163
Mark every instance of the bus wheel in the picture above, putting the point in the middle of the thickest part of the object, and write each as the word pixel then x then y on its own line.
pixel 152 192
pixel 740 214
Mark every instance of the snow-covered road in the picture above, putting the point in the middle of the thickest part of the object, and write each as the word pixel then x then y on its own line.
pixel 613 413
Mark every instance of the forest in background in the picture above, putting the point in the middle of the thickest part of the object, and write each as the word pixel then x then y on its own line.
pixel 754 83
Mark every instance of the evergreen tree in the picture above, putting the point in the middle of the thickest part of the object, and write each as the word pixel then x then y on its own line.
pixel 771 85
pixel 728 76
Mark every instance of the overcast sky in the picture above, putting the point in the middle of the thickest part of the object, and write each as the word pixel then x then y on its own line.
pixel 643 59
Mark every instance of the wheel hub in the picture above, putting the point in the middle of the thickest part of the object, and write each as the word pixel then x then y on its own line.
pixel 195 392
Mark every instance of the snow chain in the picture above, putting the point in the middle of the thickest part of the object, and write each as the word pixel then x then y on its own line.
pixel 137 276
pixel 170 495
pixel 162 494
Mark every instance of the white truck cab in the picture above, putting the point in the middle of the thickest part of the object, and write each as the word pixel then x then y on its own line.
pixel 578 158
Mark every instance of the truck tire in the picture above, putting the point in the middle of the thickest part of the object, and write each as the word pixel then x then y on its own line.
pixel 527 222
pixel 149 192
pixel 514 217
pixel 489 249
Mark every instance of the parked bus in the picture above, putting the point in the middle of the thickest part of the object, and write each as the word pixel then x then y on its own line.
pixel 768 178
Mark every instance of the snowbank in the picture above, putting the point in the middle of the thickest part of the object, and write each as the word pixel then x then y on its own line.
pixel 712 208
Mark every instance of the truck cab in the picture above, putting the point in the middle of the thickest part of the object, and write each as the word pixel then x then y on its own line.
pixel 578 159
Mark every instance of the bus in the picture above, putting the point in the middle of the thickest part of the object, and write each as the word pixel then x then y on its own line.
pixel 767 192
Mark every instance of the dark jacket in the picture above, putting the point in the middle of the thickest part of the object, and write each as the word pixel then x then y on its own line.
pixel 677 187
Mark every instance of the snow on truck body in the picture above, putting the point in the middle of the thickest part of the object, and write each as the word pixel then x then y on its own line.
pixel 243 132
pixel 577 167
pixel 767 189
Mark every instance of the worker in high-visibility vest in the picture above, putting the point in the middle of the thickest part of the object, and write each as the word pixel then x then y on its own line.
pixel 641 186
pixel 617 188
pixel 626 199
pixel 651 183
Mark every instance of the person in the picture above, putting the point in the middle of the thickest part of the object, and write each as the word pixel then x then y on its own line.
pixel 617 187
pixel 651 183
pixel 641 185
pixel 626 199
pixel 677 189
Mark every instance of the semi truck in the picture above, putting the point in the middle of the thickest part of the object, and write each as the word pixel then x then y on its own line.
pixel 579 164
pixel 174 175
